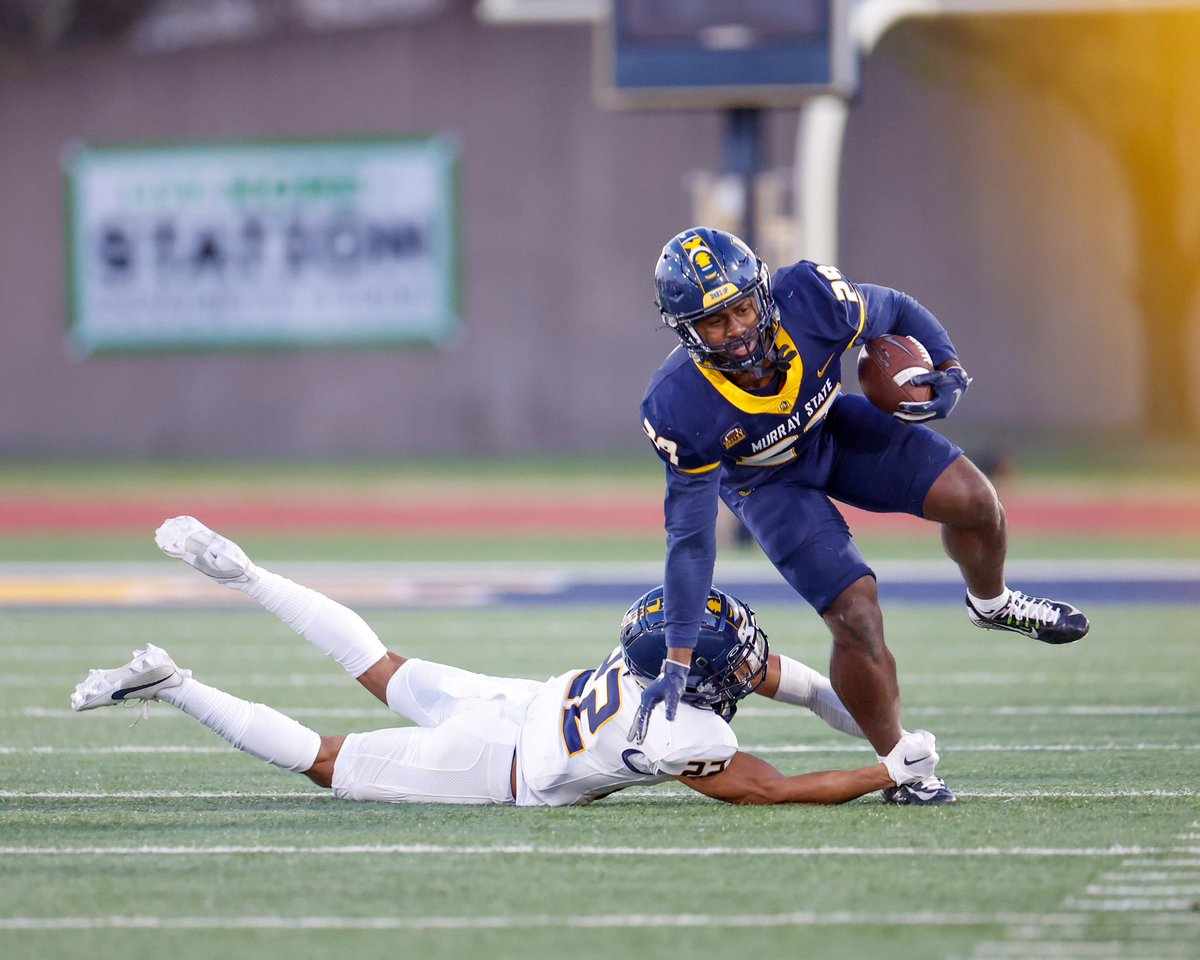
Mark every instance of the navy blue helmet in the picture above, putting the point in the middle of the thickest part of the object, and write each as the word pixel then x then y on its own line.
pixel 703 271
pixel 730 659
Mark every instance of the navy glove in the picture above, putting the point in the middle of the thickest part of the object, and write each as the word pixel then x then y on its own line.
pixel 667 690
pixel 948 386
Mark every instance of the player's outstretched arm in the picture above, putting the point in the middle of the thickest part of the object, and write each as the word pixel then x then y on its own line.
pixel 748 779
pixel 751 780
pixel 691 511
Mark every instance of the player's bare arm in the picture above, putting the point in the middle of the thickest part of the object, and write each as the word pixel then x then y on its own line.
pixel 770 682
pixel 747 779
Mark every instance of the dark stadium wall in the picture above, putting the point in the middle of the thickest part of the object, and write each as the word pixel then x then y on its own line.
pixel 564 208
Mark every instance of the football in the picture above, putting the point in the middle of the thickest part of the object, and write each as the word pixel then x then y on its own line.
pixel 885 367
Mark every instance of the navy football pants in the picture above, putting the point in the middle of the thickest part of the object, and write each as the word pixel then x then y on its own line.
pixel 863 457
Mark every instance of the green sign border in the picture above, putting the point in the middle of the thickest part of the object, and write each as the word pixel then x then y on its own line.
pixel 78 154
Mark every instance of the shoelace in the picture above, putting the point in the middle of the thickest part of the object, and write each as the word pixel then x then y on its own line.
pixel 1024 608
pixel 143 711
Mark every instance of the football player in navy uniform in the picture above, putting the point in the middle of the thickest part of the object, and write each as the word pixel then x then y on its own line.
pixel 750 409
pixel 502 740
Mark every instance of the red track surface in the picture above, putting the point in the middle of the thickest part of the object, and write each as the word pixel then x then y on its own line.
pixel 1174 517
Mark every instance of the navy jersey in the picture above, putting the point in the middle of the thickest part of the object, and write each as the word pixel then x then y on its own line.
pixel 699 421
pixel 709 431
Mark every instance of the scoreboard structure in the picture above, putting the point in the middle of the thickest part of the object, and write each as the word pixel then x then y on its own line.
pixel 746 56
pixel 705 54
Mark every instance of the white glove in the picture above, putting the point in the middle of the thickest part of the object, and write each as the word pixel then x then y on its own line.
pixel 913 758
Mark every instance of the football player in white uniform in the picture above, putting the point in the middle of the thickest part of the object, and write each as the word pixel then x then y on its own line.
pixel 481 739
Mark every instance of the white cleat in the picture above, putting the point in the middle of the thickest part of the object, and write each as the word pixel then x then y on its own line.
pixel 187 539
pixel 142 678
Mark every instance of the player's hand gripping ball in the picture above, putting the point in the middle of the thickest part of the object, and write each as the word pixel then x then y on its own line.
pixel 886 366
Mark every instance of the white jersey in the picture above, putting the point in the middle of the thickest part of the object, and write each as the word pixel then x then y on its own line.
pixel 573 746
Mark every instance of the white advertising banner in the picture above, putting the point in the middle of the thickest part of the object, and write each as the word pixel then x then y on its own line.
pixel 213 246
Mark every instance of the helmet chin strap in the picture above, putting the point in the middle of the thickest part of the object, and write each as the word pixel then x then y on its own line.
pixel 776 361
pixel 781 359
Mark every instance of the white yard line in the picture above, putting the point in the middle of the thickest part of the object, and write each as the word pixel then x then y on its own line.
pixel 941 680
pixel 589 851
pixel 980 747
pixel 65 713
pixel 270 680
pixel 1075 794
pixel 749 748
pixel 1067 922
pixel 313 794
pixel 779 712
pixel 1129 904
pixel 1041 948
pixel 103 751
pixel 660 792
pixel 1142 890
pixel 1150 876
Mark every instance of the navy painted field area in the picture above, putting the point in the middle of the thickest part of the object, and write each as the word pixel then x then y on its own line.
pixel 383 585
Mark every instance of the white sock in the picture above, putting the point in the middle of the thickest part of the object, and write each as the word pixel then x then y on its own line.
pixel 989 607
pixel 805 687
pixel 253 728
pixel 335 630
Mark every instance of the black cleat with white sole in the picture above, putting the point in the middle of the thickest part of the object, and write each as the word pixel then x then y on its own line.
pixel 1047 620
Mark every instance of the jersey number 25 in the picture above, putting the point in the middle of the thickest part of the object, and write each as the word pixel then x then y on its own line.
pixel 582 706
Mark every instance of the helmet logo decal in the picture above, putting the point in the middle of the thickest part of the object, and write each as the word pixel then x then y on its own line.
pixel 701 272
pixel 713 280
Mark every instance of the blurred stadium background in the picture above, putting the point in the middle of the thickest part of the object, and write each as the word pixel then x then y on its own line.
pixel 1031 178
pixel 1028 170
